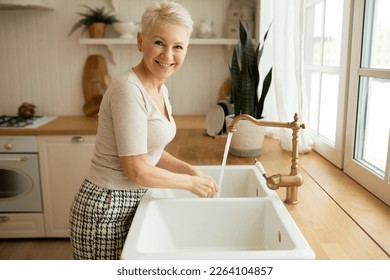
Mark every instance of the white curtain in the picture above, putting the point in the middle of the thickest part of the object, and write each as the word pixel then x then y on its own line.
pixel 284 51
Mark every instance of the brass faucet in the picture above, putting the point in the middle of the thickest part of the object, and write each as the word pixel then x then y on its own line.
pixel 292 181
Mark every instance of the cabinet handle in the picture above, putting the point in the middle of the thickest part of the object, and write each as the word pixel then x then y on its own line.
pixel 78 139
pixel 4 219
pixel 14 159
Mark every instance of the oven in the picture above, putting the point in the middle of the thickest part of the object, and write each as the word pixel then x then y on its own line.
pixel 20 187
pixel 21 205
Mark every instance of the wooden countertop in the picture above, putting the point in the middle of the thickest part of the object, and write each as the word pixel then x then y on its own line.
pixel 71 125
pixel 62 125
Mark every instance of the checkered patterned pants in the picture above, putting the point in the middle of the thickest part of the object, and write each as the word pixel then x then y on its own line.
pixel 100 220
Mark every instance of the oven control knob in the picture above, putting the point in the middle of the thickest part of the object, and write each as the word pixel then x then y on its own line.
pixel 8 146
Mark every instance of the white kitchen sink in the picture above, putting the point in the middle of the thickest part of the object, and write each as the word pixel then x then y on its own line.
pixel 247 221
pixel 222 228
pixel 238 181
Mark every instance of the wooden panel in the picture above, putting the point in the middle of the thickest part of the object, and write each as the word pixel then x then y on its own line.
pixel 35 249
pixel 362 206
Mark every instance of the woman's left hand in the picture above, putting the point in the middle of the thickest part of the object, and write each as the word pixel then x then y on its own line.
pixel 201 174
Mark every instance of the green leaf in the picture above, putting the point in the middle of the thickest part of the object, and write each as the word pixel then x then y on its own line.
pixel 266 85
pixel 244 71
pixel 91 16
pixel 236 81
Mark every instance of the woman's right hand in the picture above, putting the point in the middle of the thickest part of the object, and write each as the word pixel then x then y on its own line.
pixel 204 187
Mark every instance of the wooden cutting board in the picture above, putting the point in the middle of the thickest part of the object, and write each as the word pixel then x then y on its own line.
pixel 95 82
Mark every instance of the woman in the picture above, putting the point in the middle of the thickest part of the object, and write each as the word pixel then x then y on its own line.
pixel 135 124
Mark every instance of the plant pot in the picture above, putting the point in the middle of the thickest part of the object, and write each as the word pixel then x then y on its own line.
pixel 97 30
pixel 248 140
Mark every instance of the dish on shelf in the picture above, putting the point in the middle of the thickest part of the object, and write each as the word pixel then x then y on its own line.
pixel 126 29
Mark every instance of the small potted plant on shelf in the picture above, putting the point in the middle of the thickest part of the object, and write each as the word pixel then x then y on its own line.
pixel 245 75
pixel 95 20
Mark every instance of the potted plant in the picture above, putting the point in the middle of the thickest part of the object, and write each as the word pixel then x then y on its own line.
pixel 95 20
pixel 245 75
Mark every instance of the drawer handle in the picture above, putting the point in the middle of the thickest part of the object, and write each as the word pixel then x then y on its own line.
pixel 4 219
pixel 78 139
pixel 14 159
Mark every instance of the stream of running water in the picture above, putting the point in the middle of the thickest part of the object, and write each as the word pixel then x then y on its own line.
pixel 225 154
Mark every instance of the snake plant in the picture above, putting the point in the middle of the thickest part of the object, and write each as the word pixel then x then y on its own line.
pixel 244 71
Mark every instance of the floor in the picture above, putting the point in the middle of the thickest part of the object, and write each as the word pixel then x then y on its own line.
pixel 339 218
pixel 35 249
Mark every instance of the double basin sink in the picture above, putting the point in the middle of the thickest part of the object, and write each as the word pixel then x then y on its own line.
pixel 246 221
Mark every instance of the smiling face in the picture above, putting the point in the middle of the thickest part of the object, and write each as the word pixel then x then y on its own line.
pixel 164 49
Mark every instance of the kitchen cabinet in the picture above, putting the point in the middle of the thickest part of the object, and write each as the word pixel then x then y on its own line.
pixel 15 225
pixel 64 163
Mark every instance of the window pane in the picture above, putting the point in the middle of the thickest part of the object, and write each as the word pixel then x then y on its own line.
pixel 317 38
pixel 313 81
pixel 373 123
pixel 314 34
pixel 328 107
pixel 376 42
pixel 332 33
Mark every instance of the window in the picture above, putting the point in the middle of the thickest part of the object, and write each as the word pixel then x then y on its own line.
pixel 325 74
pixel 373 119
pixel 367 152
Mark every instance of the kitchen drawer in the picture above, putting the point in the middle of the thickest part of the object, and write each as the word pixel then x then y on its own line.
pixel 21 225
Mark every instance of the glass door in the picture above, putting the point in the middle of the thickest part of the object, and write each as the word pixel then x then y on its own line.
pixel 367 155
pixel 20 188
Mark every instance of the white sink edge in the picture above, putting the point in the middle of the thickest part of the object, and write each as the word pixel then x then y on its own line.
pixel 224 255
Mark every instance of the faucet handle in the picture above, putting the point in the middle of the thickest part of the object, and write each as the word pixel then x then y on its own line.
pixel 260 167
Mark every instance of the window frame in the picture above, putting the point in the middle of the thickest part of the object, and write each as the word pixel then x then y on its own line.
pixel 356 169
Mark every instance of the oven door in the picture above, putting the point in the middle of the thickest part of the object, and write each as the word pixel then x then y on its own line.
pixel 20 189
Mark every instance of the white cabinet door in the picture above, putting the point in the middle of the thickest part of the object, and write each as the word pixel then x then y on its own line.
pixel 64 163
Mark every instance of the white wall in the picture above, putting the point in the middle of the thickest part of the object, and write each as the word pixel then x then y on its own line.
pixel 40 64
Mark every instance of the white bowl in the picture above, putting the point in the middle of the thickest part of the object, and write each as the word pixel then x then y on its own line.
pixel 126 29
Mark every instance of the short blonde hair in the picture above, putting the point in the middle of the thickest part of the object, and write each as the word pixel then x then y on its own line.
pixel 166 12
